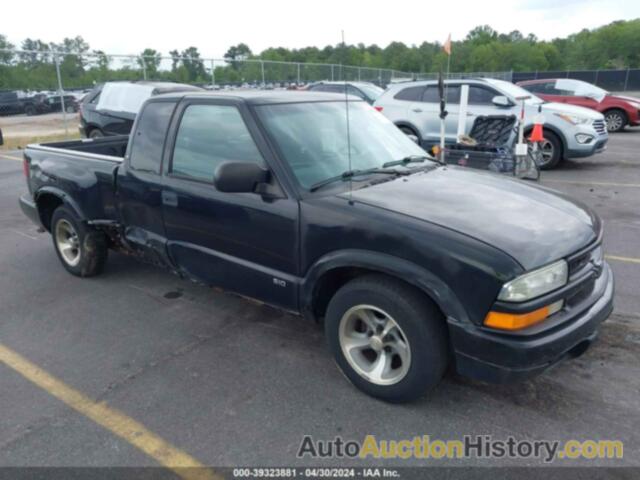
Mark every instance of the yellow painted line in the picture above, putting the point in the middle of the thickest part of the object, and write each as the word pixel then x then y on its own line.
pixel 116 422
pixel 622 259
pixel 10 157
pixel 598 184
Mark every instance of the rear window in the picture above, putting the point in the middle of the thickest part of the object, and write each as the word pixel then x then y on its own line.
pixel 411 94
pixel 148 142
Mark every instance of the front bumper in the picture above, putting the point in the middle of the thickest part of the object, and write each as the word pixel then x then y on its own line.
pixel 501 358
pixel 29 208
pixel 580 151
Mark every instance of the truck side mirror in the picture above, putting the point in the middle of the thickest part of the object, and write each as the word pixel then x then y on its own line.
pixel 236 177
pixel 502 101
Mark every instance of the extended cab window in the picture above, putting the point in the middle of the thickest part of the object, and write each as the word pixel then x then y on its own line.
pixel 148 142
pixel 209 135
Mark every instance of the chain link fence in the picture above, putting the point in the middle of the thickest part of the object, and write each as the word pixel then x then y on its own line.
pixel 624 80
pixel 41 91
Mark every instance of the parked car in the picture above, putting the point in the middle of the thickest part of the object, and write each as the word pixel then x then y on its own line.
pixel 11 102
pixel 367 91
pixel 411 265
pixel 116 115
pixel 54 103
pixel 618 110
pixel 41 103
pixel 569 131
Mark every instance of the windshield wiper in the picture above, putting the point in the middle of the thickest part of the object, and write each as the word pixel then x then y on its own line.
pixel 350 174
pixel 406 160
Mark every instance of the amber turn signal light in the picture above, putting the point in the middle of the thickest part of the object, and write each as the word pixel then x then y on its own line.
pixel 517 321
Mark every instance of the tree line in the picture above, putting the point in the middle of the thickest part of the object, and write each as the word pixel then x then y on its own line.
pixel 483 49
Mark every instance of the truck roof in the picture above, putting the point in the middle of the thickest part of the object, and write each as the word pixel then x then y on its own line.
pixel 263 97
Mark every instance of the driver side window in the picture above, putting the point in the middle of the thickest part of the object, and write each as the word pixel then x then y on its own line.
pixel 209 135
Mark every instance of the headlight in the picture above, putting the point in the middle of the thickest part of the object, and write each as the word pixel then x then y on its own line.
pixel 573 119
pixel 536 283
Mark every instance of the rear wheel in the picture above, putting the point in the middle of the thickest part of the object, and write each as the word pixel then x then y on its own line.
pixel 410 132
pixel 551 151
pixel 616 120
pixel 81 249
pixel 96 133
pixel 388 338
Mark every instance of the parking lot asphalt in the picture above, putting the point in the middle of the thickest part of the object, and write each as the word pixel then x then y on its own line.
pixel 230 382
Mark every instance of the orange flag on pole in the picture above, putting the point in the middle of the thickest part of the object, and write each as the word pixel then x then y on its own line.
pixel 447 45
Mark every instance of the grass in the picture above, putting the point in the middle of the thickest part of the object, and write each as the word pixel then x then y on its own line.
pixel 18 143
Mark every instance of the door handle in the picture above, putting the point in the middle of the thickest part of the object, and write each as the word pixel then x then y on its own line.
pixel 417 110
pixel 170 199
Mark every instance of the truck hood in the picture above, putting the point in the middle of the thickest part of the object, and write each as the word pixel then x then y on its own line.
pixel 553 107
pixel 532 224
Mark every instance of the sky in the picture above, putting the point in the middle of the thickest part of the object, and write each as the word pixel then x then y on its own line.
pixel 128 27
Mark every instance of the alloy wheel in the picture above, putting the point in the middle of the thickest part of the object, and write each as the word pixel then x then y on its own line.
pixel 374 345
pixel 614 121
pixel 68 242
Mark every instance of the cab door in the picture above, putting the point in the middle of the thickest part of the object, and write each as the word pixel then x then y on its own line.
pixel 426 114
pixel 243 242
pixel 139 182
pixel 480 103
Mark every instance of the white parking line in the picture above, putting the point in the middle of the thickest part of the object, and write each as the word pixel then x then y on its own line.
pixel 600 184
pixel 10 157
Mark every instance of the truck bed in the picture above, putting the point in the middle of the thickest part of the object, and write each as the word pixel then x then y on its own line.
pixel 84 169
pixel 114 147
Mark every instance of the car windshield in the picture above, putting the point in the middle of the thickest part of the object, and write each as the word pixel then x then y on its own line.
pixel 370 90
pixel 514 91
pixel 312 138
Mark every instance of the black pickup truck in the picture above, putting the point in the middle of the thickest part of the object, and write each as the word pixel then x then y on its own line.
pixel 411 265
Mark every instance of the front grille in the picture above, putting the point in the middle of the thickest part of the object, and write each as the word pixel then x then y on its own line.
pixel 600 126
pixel 591 259
pixel 581 294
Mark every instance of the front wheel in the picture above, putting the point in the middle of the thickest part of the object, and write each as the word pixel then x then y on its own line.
pixel 81 249
pixel 389 339
pixel 550 150
pixel 616 120
pixel 96 133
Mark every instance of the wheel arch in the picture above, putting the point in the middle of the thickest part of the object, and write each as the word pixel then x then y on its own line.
pixel 556 131
pixel 406 124
pixel 332 271
pixel 48 199
pixel 618 109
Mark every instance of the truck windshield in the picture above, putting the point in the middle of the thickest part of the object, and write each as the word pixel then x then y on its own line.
pixel 312 138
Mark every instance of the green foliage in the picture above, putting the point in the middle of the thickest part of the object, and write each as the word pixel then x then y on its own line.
pixel 482 50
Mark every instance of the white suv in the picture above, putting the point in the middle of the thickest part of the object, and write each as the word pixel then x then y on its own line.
pixel 569 131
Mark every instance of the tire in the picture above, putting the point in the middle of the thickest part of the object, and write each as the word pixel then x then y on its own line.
pixel 551 151
pixel 96 133
pixel 411 133
pixel 616 120
pixel 416 323
pixel 71 109
pixel 30 110
pixel 81 249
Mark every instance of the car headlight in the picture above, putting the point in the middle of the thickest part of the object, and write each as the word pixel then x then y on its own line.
pixel 573 119
pixel 535 283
